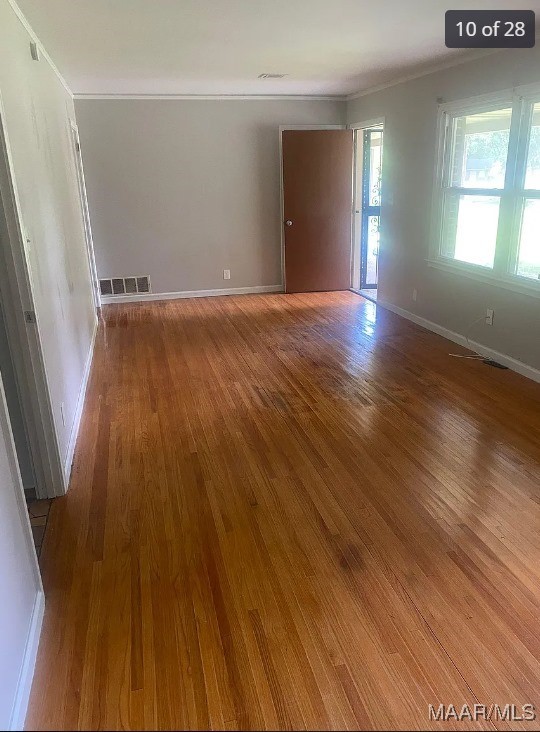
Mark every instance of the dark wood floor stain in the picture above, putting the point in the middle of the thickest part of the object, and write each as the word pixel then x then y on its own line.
pixel 290 512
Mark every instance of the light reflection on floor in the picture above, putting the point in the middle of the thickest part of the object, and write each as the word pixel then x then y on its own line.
pixel 370 294
pixel 369 313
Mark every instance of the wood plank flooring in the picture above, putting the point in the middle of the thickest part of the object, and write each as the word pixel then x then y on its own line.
pixel 289 512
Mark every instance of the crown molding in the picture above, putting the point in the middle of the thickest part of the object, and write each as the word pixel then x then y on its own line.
pixel 26 25
pixel 463 59
pixel 216 97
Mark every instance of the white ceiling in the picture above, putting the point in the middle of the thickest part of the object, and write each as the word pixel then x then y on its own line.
pixel 326 47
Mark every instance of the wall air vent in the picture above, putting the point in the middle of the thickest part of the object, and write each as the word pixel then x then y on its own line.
pixel 130 283
pixel 112 286
pixel 105 287
pixel 143 284
pixel 272 76
pixel 34 51
pixel 118 286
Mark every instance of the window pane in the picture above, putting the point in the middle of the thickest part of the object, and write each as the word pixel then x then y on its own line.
pixel 529 243
pixel 480 149
pixel 372 250
pixel 532 178
pixel 470 229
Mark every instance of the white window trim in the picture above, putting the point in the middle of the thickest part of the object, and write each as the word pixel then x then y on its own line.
pixel 521 96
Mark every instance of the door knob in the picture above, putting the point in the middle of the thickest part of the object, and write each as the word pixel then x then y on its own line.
pixel 288 222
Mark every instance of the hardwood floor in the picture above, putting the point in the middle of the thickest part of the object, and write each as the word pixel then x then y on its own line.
pixel 291 512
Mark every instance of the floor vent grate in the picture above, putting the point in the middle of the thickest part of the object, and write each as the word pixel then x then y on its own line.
pixel 124 285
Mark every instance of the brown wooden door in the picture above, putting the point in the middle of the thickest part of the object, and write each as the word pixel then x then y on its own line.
pixel 317 198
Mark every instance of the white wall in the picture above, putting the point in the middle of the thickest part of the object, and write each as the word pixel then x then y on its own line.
pixel 37 113
pixel 21 607
pixel 182 190
pixel 447 299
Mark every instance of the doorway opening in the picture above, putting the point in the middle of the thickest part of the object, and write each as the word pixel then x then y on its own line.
pixel 85 214
pixel 368 147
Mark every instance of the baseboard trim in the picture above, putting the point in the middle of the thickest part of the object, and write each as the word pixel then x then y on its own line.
pixel 152 296
pixel 24 686
pixel 513 363
pixel 79 410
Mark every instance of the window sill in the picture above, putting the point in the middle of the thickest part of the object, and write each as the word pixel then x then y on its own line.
pixel 514 284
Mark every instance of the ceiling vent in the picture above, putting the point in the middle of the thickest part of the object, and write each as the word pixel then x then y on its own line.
pixel 272 76
pixel 124 285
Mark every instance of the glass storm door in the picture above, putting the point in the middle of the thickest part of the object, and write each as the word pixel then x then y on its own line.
pixel 371 207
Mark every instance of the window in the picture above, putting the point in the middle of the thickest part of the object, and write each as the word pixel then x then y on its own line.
pixel 487 211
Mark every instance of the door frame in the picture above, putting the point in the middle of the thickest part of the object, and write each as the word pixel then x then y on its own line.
pixel 13 482
pixel 7 433
pixel 282 129
pixel 357 220
pixel 22 323
pixel 85 212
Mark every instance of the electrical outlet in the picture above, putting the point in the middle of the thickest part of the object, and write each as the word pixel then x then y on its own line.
pixel 226 274
pixel 414 294
pixel 489 316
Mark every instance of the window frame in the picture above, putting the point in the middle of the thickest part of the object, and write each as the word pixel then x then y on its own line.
pixel 503 274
